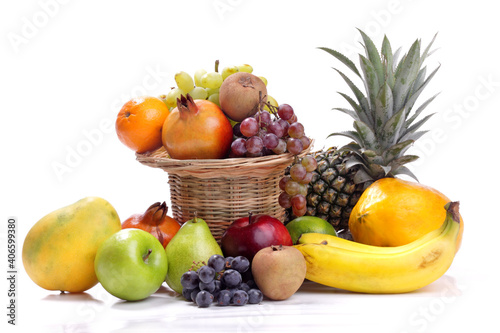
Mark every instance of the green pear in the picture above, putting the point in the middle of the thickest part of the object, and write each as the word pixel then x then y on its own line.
pixel 192 244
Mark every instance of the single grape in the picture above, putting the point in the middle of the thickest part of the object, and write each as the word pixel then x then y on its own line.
pixel 184 82
pixel 307 179
pixel 198 93
pixel 206 274
pixel 297 172
pixel 217 262
pixel 294 146
pixel 254 145
pixel 299 212
pixel 245 68
pixel 283 182
pixel 186 293
pixel 263 79
pixel 244 286
pixel 285 111
pixel 231 278
pixel 281 147
pixel 303 189
pixel 285 125
pixel 296 130
pixel 241 264
pixel 190 280
pixel 284 200
pixel 270 140
pixel 292 187
pixel 212 80
pixel 298 202
pixel 197 77
pixel 263 117
pixel 214 98
pixel 305 142
pixel 293 119
pixel 224 298
pixel 210 286
pixel 240 298
pixel 236 130
pixel 172 96
pixel 194 293
pixel 238 147
pixel 204 299
pixel 255 296
pixel 276 128
pixel 226 71
pixel 309 162
pixel 218 285
pixel 249 127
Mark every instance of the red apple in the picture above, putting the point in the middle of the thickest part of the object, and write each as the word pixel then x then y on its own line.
pixel 247 235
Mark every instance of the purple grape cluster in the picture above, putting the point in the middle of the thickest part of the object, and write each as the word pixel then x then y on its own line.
pixel 225 281
pixel 269 133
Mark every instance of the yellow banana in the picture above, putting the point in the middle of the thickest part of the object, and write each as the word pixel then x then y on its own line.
pixel 372 269
pixel 335 241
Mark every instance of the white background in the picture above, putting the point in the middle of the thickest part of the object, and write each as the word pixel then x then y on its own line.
pixel 68 66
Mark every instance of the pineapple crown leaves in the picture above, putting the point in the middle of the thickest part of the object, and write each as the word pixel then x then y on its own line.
pixel 384 125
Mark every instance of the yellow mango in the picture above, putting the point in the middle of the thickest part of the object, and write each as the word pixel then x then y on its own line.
pixel 59 250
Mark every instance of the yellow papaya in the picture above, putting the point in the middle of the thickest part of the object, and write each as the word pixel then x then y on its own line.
pixel 59 250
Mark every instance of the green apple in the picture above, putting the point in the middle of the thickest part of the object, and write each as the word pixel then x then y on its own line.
pixel 131 264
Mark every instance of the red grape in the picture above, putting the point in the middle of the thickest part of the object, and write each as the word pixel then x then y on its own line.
pixel 292 187
pixel 281 148
pixel 298 172
pixel 263 117
pixel 296 130
pixel 270 140
pixel 307 178
pixel 283 182
pixel 284 200
pixel 285 111
pixel 298 201
pixel 294 146
pixel 309 162
pixel 276 128
pixel 238 147
pixel 254 145
pixel 249 127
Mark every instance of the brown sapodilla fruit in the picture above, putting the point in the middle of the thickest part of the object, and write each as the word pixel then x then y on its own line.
pixel 239 95
pixel 279 271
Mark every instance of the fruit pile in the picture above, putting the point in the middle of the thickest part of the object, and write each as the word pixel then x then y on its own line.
pixel 405 235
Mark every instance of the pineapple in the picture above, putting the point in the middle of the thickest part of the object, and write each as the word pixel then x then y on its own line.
pixel 385 127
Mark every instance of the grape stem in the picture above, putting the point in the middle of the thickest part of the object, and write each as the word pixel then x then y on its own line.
pixel 217 65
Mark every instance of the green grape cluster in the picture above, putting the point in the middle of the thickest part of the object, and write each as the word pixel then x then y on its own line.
pixel 205 84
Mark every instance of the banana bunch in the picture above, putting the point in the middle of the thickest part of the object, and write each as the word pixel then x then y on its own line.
pixel 357 267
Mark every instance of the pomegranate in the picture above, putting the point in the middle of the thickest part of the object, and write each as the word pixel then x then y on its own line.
pixel 197 129
pixel 155 221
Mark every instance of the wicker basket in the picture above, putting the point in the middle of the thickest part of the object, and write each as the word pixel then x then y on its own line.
pixel 222 190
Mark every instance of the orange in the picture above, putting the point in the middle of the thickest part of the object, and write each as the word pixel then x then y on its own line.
pixel 140 122
pixel 394 212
